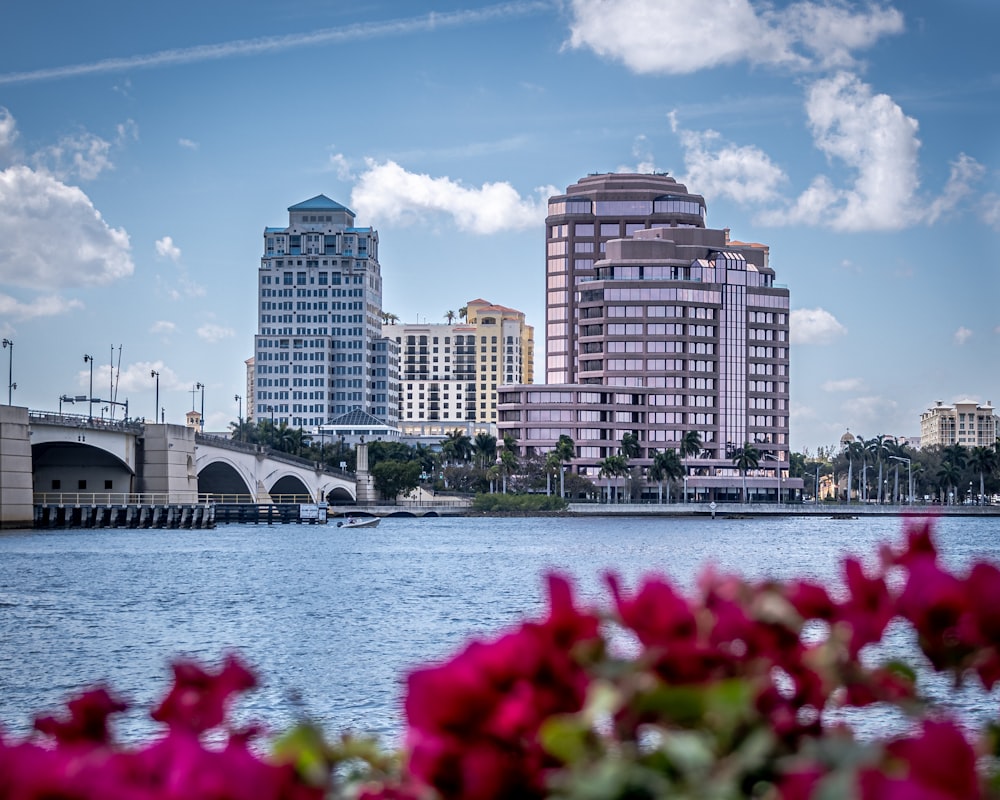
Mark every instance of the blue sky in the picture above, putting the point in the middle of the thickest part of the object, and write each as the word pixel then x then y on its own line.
pixel 144 147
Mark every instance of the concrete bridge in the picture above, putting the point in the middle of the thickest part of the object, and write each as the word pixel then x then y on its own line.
pixel 47 457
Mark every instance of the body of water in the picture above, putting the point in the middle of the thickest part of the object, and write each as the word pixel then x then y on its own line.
pixel 333 619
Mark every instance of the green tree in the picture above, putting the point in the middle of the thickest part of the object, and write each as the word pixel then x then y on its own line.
pixel 948 475
pixel 613 467
pixel 485 448
pixel 565 450
pixel 879 451
pixel 393 478
pixel 449 316
pixel 982 460
pixel 457 446
pixel 630 446
pixel 690 447
pixel 745 458
pixel 667 467
pixel 854 451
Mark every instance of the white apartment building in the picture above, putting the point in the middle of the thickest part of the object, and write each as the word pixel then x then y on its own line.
pixel 966 423
pixel 449 373
pixel 319 351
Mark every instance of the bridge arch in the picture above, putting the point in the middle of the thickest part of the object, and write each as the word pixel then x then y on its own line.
pixel 289 484
pixel 223 478
pixel 61 466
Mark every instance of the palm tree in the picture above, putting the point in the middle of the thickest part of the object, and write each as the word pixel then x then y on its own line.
pixel 508 464
pixel 666 466
pixel 948 475
pixel 485 447
pixel 457 446
pixel 565 450
pixel 388 318
pixel 690 447
pixel 613 467
pixel 982 460
pixel 744 458
pixel 855 450
pixel 879 449
pixel 450 316
pixel 463 312
pixel 552 463
pixel 956 454
pixel 630 445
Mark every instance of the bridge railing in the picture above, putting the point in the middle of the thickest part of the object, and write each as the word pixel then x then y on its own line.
pixel 163 498
pixel 121 498
pixel 84 421
pixel 275 455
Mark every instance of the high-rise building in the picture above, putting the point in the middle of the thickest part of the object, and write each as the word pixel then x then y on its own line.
pixel 966 423
pixel 450 372
pixel 319 350
pixel 657 326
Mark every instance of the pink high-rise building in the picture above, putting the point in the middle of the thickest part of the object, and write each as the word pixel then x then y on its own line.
pixel 657 325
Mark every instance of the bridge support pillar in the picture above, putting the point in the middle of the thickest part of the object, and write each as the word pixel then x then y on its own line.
pixel 17 508
pixel 168 465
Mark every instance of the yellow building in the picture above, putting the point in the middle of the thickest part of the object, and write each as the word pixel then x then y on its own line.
pixel 449 373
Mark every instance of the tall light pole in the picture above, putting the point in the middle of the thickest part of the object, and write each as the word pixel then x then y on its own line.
pixel 773 457
pixel 239 414
pixel 201 386
pixel 90 397
pixel 909 476
pixel 816 485
pixel 10 370
pixel 154 374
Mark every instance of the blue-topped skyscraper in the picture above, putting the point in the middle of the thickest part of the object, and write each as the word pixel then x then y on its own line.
pixel 319 350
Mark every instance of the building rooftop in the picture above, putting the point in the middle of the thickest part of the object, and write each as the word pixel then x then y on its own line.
pixel 320 203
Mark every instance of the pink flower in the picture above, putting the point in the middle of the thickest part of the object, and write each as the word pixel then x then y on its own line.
pixel 197 702
pixel 88 721
pixel 868 608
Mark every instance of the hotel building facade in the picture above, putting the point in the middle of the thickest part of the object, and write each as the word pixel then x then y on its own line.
pixel 966 423
pixel 450 373
pixel 319 351
pixel 657 325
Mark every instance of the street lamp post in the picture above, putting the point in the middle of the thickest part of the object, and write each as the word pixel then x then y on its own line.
pixel 239 413
pixel 11 386
pixel 154 374
pixel 773 457
pixel 90 397
pixel 815 476
pixel 909 476
pixel 201 421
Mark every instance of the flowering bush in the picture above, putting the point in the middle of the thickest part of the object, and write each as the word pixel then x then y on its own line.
pixel 725 694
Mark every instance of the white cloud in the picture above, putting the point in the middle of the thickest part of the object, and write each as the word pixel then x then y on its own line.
pixel 166 248
pixel 962 335
pixel 342 167
pixel 646 163
pixel 163 327
pixel 84 155
pixel 8 133
pixel 210 332
pixel 136 378
pixel 86 253
pixel 187 144
pixel 684 36
pixel 46 306
pixel 814 326
pixel 965 173
pixel 844 385
pixel 871 135
pixel 990 210
pixel 388 192
pixel 716 168
pixel 867 408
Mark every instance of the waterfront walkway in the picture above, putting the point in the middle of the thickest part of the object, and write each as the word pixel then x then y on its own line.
pixel 730 510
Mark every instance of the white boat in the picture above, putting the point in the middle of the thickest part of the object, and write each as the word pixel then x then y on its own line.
pixel 358 522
